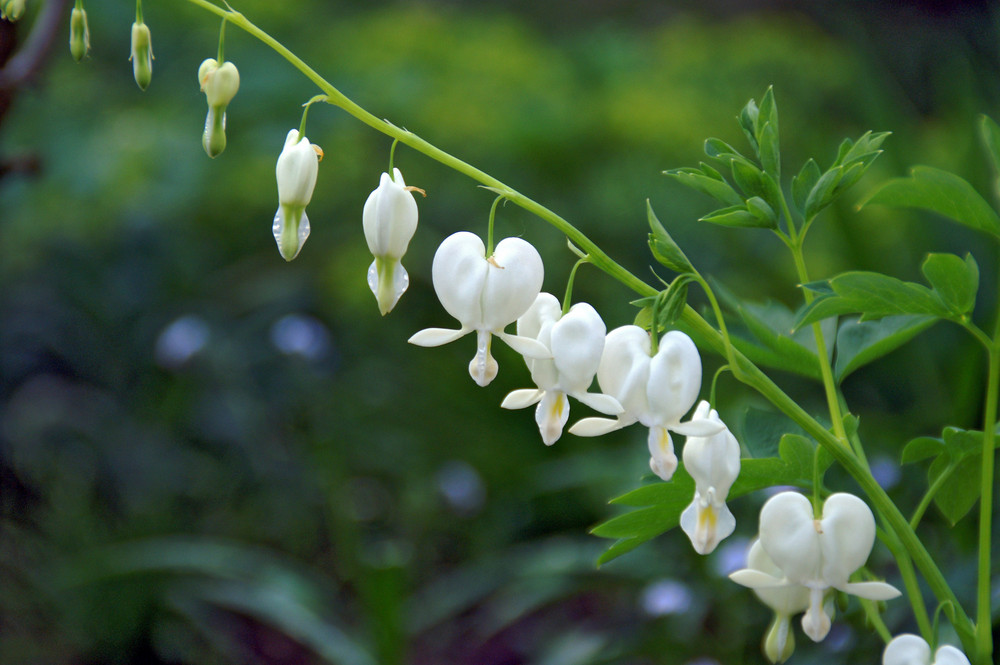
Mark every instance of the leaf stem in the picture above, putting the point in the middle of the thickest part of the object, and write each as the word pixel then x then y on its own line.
pixel 984 627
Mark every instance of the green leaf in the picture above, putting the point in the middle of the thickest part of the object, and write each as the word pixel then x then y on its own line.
pixel 748 177
pixel 803 182
pixel 921 448
pixel 766 335
pixel 766 132
pixel 707 181
pixel 770 157
pixel 719 149
pixel 759 208
pixel 822 192
pixel 959 493
pixel 673 300
pixel 664 249
pixel 660 505
pixel 874 296
pixel 762 430
pixel 737 216
pixel 859 343
pixel 955 281
pixel 945 193
pixel 989 134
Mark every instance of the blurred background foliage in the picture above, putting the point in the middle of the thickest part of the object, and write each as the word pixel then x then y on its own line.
pixel 208 455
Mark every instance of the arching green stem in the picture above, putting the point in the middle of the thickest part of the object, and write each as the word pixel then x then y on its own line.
pixel 568 298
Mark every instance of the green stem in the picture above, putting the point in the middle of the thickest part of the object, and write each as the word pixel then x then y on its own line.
pixel 746 371
pixel 568 298
pixel 392 159
pixel 489 228
pixel 925 501
pixel 984 626
pixel 138 12
pixel 826 372
pixel 911 585
pixel 222 43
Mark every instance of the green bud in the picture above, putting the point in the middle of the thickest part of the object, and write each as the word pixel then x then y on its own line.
pixel 79 34
pixel 142 55
pixel 214 138
pixel 779 642
pixel 11 9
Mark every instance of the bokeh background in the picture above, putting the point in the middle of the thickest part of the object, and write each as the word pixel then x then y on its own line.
pixel 208 455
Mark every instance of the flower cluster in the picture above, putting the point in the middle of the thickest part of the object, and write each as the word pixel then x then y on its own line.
pixel 803 557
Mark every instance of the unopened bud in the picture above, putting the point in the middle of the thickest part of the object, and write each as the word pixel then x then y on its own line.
pixel 11 9
pixel 214 138
pixel 79 34
pixel 142 55
pixel 779 642
pixel 219 83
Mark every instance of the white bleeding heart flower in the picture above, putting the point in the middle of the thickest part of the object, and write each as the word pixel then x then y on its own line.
pixel 714 464
pixel 654 390
pixel 576 342
pixel 485 294
pixel 909 649
pixel 390 220
pixel 819 554
pixel 298 165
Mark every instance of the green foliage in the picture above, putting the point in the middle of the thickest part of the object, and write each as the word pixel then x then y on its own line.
pixel 659 505
pixel 663 247
pixel 939 191
pixel 952 295
pixel 954 471
pixel 862 342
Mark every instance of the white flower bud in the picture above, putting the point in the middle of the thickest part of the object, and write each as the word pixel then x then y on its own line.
pixel 296 170
pixel 714 463
pixel 389 220
pixel 219 83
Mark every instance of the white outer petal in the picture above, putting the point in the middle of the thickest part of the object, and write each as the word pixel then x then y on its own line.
pixel 437 336
pixel 907 649
pixel 296 170
pixel 848 536
pixel 788 535
pixel 522 398
pixel 949 655
pixel 513 281
pixel 389 217
pixel 713 461
pixel 624 369
pixel 674 378
pixel 788 600
pixel 577 343
pixel 459 274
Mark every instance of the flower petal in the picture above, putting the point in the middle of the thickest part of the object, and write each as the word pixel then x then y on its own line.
pixel 526 346
pixel 871 590
pixel 907 649
pixel 521 399
pixel 599 402
pixel 437 336
pixel 595 426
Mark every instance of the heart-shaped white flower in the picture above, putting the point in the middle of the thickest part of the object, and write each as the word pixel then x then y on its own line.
pixel 654 390
pixel 576 341
pixel 909 649
pixel 714 464
pixel 485 295
pixel 296 170
pixel 818 554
